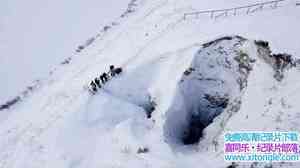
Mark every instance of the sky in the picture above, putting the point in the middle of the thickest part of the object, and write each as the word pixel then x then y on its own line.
pixel 36 36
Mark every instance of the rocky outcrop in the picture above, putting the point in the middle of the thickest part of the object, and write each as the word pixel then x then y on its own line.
pixel 280 61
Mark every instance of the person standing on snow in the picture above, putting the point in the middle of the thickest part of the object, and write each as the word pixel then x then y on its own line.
pixel 97 81
pixel 112 72
pixel 93 87
pixel 104 77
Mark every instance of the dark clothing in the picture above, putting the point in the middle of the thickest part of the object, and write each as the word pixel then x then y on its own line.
pixel 112 73
pixel 93 86
pixel 97 81
pixel 118 70
pixel 92 83
pixel 104 77
pixel 94 89
pixel 112 70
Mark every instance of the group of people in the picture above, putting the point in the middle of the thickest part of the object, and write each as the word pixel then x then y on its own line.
pixel 98 83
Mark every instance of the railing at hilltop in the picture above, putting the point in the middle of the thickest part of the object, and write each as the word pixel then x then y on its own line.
pixel 214 14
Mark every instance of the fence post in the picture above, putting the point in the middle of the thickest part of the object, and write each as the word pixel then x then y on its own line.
pixel 248 10
pixel 212 14
pixel 274 5
pixel 262 7
pixel 234 13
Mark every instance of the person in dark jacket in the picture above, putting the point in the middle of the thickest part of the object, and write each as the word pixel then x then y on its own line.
pixel 93 87
pixel 97 81
pixel 118 71
pixel 112 70
pixel 104 77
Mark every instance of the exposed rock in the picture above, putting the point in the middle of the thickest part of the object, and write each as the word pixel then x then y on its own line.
pixel 188 71
pixel 142 150
pixel 105 28
pixel 280 62
pixel 149 107
pixel 221 39
pixel 10 103
pixel 66 61
pixel 232 165
pixel 217 101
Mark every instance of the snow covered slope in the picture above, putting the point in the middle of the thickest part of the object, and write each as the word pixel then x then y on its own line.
pixel 35 39
pixel 172 69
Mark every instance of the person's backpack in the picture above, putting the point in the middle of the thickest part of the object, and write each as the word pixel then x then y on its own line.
pixel 118 70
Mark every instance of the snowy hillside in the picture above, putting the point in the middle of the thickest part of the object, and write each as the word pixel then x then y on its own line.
pixel 34 39
pixel 184 83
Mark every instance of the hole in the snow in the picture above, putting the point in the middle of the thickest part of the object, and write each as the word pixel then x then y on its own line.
pixel 217 75
pixel 196 122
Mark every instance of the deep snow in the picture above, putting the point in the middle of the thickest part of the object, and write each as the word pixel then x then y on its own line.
pixel 61 125
pixel 37 35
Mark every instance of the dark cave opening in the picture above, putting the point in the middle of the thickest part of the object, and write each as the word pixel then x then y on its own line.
pixel 197 123
pixel 217 75
pixel 194 130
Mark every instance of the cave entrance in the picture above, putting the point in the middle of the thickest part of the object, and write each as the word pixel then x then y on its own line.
pixel 197 102
pixel 197 122
pixel 217 75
